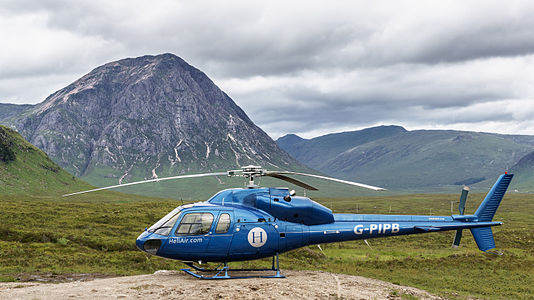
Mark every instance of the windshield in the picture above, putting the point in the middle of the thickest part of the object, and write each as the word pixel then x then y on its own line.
pixel 166 223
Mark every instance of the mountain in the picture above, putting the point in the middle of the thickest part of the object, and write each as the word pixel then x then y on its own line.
pixel 524 173
pixel 395 158
pixel 9 111
pixel 26 170
pixel 313 152
pixel 147 117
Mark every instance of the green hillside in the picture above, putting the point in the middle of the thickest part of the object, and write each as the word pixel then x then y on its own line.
pixel 429 158
pixel 313 152
pixel 524 174
pixel 26 170
pixel 419 160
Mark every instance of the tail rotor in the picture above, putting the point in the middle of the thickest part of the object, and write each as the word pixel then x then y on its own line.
pixel 461 208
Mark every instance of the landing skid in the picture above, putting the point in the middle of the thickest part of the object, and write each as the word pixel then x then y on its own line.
pixel 221 271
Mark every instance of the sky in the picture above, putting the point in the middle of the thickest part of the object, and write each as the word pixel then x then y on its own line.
pixel 303 67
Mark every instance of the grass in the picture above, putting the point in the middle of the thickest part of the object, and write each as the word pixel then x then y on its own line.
pixel 96 234
pixel 427 261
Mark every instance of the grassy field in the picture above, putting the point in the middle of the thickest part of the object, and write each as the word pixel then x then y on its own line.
pixel 96 234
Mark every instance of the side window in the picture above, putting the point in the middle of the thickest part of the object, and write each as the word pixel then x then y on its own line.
pixel 195 224
pixel 224 224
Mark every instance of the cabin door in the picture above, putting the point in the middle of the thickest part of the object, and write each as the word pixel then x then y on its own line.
pixel 221 234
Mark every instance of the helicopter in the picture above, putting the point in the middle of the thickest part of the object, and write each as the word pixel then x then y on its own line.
pixel 255 222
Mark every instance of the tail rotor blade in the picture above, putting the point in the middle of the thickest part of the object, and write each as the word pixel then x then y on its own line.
pixel 461 208
pixel 457 238
pixel 463 199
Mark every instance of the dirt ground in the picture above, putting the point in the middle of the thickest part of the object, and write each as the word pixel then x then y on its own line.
pixel 177 285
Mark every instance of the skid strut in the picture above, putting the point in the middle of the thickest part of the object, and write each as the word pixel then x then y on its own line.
pixel 221 271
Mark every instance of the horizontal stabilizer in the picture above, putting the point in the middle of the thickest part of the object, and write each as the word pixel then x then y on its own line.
pixel 433 228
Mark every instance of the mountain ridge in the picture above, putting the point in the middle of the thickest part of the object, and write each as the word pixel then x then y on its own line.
pixel 9 110
pixel 524 173
pixel 418 158
pixel 147 117
pixel 332 144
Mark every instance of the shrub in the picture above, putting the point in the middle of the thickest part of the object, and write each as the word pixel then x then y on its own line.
pixel 6 153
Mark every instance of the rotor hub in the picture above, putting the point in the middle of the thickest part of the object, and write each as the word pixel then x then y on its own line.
pixel 250 172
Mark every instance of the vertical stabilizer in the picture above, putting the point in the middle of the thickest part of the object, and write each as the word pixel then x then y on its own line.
pixel 486 211
pixel 488 207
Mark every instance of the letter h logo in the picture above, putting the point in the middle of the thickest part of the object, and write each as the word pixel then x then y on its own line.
pixel 257 237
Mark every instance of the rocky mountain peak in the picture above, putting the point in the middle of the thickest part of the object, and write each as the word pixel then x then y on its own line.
pixel 146 117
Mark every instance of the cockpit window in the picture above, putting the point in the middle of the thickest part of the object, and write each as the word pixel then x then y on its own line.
pixel 165 225
pixel 224 224
pixel 195 224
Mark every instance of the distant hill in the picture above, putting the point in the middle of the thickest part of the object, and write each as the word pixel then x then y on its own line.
pixel 314 152
pixel 9 111
pixel 26 170
pixel 524 173
pixel 395 158
pixel 147 117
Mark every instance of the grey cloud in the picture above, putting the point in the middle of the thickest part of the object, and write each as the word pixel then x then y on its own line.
pixel 305 121
pixel 36 88
pixel 244 40
pixel 425 97
pixel 504 35
pixel 342 65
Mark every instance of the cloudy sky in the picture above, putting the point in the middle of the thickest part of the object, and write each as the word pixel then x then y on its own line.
pixel 305 67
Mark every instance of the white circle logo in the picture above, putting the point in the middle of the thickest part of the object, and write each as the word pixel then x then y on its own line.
pixel 257 237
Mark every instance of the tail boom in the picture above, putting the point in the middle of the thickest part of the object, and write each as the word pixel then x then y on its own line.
pixel 355 226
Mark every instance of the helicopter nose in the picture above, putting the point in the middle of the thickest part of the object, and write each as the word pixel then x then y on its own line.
pixel 145 242
pixel 140 241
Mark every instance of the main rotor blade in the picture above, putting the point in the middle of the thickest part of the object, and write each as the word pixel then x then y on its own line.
pixel 332 179
pixel 293 181
pixel 150 180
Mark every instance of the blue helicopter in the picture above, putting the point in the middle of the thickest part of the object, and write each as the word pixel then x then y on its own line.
pixel 253 222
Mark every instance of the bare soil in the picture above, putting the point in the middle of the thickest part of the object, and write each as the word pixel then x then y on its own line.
pixel 177 285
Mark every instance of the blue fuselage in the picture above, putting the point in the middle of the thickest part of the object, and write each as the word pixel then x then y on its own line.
pixel 253 233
